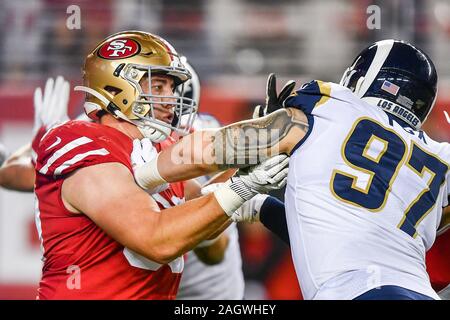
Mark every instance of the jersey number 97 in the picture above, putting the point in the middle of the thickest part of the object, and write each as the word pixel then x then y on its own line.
pixel 382 168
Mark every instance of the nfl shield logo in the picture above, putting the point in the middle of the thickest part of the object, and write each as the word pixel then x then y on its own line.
pixel 390 87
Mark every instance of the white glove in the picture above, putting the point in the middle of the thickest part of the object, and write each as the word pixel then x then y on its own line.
pixel 269 175
pixel 249 211
pixel 51 108
pixel 144 154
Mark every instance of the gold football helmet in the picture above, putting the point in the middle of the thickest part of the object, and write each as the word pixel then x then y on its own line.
pixel 112 73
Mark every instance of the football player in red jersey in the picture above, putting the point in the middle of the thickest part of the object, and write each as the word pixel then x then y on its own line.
pixel 50 108
pixel 103 237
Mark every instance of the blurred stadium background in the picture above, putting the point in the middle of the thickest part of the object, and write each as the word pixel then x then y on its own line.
pixel 233 44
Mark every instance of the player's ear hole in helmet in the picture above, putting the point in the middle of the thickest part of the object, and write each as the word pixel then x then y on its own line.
pixel 113 74
pixel 396 76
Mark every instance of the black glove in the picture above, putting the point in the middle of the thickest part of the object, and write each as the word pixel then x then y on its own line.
pixel 274 101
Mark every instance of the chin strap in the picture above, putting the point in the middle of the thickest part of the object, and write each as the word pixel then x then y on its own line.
pixel 91 108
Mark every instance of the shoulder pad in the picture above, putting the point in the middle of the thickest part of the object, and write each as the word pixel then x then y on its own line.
pixel 309 96
pixel 71 146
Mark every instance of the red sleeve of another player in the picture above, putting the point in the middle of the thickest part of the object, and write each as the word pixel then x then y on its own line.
pixel 438 263
pixel 63 151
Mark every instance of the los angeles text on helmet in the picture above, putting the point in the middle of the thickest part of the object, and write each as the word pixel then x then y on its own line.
pixel 396 76
pixel 399 111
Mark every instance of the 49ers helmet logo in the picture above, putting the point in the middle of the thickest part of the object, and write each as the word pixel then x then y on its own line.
pixel 119 49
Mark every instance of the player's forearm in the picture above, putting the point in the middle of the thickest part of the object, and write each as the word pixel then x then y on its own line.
pixel 23 152
pixel 220 230
pixel 215 252
pixel 133 219
pixel 221 177
pixel 248 142
pixel 238 145
pixel 17 172
pixel 175 232
pixel 18 175
pixel 191 157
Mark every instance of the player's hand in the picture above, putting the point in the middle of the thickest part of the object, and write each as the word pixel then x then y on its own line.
pixel 271 174
pixel 144 152
pixel 249 211
pixel 51 106
pixel 274 101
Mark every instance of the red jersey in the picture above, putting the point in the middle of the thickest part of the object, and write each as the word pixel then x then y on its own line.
pixel 80 260
pixel 438 262
pixel 35 143
pixel 173 195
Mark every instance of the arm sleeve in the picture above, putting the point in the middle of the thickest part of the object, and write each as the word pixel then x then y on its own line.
pixel 273 217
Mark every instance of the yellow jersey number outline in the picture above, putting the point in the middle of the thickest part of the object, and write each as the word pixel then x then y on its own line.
pixel 421 174
pixel 369 172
